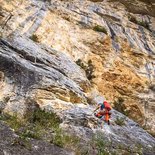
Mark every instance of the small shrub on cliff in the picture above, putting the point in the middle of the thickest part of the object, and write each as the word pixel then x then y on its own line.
pixel 38 125
pixel 119 106
pixel 139 149
pixel 64 140
pixel 144 24
pixel 88 68
pixel 43 118
pixel 120 121
pixel 42 121
pixel 27 133
pixel 141 23
pixel 100 144
pixel 12 121
pixel 35 38
pixel 81 64
pixel 34 125
pixel 99 28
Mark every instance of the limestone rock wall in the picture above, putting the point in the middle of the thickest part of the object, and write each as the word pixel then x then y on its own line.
pixel 118 36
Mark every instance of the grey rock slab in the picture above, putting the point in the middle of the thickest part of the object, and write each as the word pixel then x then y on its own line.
pixel 29 64
pixel 81 121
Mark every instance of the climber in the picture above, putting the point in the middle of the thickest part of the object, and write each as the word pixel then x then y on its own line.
pixel 104 110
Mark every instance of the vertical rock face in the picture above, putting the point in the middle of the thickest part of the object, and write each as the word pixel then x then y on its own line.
pixel 41 41
pixel 38 72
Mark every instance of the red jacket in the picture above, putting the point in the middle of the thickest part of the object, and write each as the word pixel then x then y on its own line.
pixel 107 105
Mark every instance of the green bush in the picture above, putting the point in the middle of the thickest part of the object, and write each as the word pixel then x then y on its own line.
pixel 88 68
pixel 40 122
pixel 64 140
pixel 100 144
pixel 99 28
pixel 37 125
pixel 119 106
pixel 12 121
pixel 34 125
pixel 139 149
pixel 81 64
pixel 35 38
pixel 133 19
pixel 144 24
pixel 43 118
pixel 120 121
pixel 31 133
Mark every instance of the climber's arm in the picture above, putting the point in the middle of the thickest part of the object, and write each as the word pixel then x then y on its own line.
pixel 97 108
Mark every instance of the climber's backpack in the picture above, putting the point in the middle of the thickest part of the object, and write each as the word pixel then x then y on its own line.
pixel 107 105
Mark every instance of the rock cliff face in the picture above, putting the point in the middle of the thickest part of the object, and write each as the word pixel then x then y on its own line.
pixel 41 45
